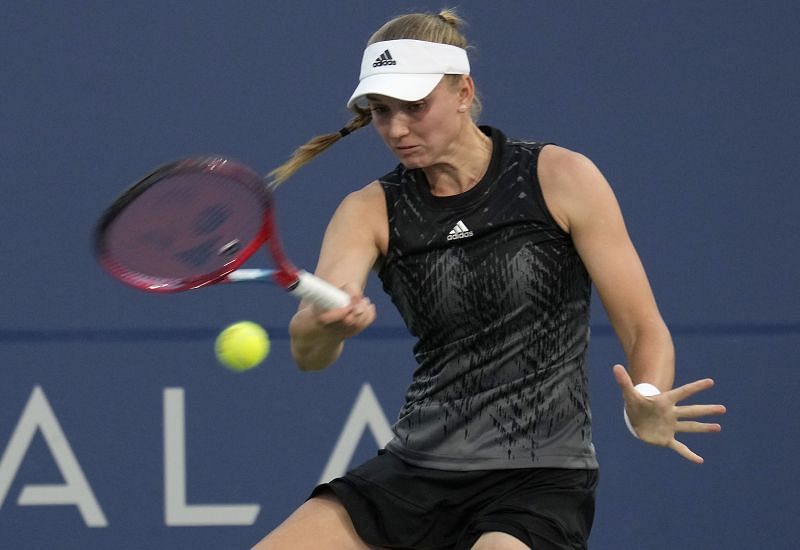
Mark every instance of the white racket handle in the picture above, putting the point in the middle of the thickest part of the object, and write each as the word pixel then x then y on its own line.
pixel 325 295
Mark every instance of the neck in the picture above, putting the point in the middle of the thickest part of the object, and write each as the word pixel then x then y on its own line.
pixel 464 166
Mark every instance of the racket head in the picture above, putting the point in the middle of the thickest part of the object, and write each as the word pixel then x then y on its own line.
pixel 187 224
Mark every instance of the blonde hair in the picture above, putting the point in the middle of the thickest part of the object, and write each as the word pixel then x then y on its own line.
pixel 316 145
pixel 443 28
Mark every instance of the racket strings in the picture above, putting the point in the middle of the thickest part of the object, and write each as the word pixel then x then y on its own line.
pixel 187 225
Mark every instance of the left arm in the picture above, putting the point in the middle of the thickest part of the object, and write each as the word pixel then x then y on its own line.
pixel 582 202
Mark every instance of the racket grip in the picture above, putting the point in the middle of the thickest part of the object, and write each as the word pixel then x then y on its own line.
pixel 323 294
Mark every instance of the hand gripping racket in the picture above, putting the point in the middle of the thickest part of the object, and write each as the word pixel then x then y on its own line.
pixel 193 223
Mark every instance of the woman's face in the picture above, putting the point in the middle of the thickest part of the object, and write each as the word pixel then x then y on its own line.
pixel 420 133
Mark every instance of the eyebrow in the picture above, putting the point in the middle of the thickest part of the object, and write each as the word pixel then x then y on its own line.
pixel 378 99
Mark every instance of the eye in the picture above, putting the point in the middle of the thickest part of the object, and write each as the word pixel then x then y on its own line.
pixel 378 109
pixel 417 107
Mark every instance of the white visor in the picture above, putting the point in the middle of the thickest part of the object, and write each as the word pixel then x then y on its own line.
pixel 406 69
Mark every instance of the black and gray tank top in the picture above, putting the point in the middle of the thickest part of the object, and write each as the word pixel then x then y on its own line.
pixel 498 298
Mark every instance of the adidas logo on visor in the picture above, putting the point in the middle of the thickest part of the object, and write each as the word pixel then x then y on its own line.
pixel 460 231
pixel 384 59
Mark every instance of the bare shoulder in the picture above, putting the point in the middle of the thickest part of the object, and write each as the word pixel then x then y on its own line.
pixel 566 167
pixel 372 194
pixel 364 212
pixel 571 183
pixel 365 201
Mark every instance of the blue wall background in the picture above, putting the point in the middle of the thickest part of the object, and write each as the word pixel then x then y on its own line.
pixel 689 108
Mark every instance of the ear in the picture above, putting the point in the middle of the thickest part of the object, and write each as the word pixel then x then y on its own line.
pixel 466 90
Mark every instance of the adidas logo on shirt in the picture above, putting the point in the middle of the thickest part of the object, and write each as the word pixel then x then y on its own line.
pixel 460 231
pixel 384 59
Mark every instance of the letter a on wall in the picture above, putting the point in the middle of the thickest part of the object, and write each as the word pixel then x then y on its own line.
pixel 366 413
pixel 76 490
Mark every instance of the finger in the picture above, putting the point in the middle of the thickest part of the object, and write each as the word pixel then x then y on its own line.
pixel 360 318
pixel 362 306
pixel 363 315
pixel 332 316
pixel 623 379
pixel 688 390
pixel 685 452
pixel 697 411
pixel 371 313
pixel 697 427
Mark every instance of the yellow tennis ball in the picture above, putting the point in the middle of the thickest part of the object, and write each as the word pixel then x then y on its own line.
pixel 242 346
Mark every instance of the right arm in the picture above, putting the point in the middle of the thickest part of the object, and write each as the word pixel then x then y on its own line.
pixel 356 236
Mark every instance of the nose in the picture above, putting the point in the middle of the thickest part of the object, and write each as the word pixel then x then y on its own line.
pixel 398 126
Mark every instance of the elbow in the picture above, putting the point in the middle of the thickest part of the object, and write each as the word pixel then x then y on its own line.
pixel 301 358
pixel 653 331
pixel 303 364
pixel 312 348
pixel 310 359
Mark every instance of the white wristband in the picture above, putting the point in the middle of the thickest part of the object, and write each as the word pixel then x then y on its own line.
pixel 648 390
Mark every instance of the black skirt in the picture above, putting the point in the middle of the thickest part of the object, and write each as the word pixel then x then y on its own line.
pixel 397 505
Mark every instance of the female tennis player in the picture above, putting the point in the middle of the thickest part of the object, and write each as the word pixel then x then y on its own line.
pixel 488 247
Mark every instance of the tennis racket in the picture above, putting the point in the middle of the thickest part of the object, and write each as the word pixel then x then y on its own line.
pixel 193 223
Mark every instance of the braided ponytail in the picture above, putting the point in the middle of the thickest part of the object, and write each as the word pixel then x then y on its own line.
pixel 316 145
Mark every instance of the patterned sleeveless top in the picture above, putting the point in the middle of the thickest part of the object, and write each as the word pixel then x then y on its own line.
pixel 498 299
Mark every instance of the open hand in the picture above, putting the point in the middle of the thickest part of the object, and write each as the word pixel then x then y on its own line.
pixel 659 418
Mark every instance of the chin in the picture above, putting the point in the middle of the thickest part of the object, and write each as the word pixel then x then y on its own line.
pixel 413 161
